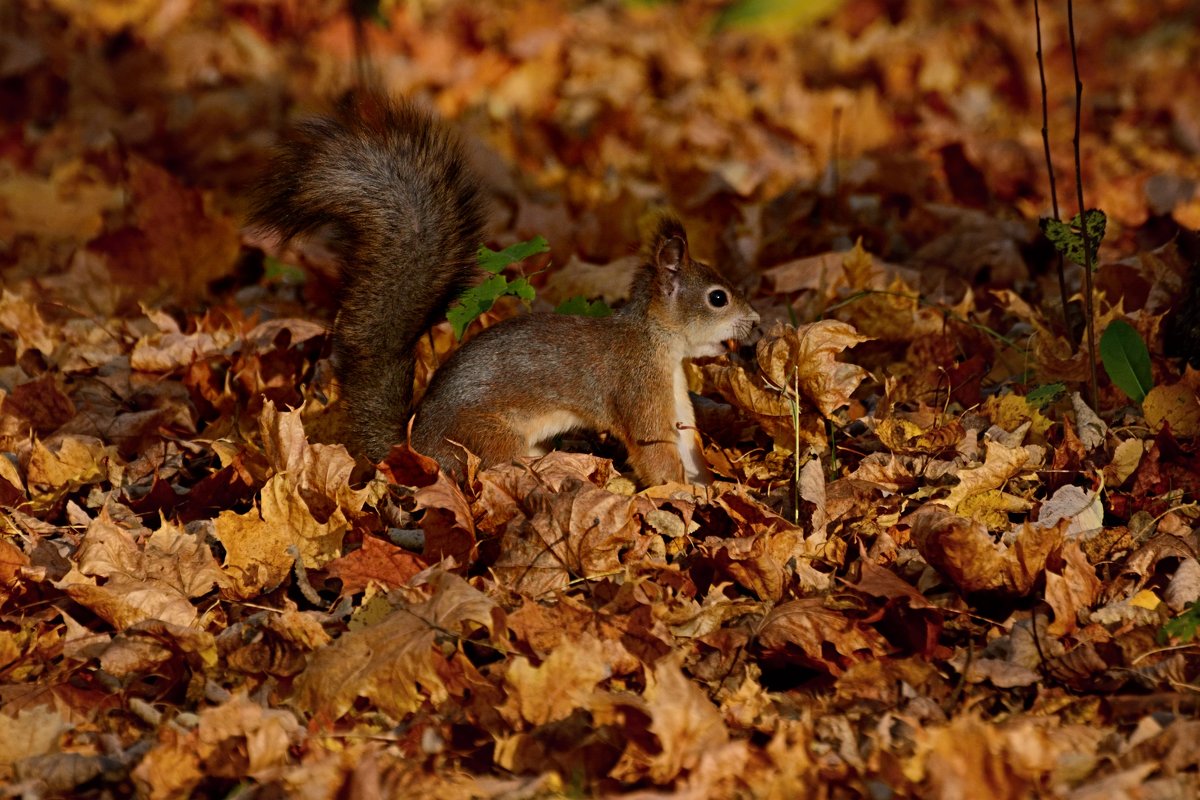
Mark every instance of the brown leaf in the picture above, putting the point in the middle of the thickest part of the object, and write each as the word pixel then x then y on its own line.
pixel 174 239
pixel 563 682
pixel 256 543
pixel 973 757
pixel 1000 464
pixel 807 626
pixel 395 663
pixel 688 726
pixel 448 521
pixel 807 356
pixel 237 739
pixel 969 557
pixel 170 348
pixel 376 563
pixel 1071 590
pixel 76 461
pixel 880 582
pixel 577 530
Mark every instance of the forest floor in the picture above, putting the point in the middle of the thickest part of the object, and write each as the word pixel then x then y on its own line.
pixel 937 561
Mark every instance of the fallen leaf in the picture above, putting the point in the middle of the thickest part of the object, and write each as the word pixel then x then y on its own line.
pixel 395 663
pixel 969 557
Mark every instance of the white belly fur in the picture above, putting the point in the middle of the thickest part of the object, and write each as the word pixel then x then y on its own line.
pixel 539 430
pixel 694 468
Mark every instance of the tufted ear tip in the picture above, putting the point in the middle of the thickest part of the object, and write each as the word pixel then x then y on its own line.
pixel 670 244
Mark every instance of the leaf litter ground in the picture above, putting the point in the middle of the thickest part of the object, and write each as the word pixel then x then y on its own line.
pixel 931 569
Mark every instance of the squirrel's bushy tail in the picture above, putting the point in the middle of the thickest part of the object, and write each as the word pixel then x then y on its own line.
pixel 405 216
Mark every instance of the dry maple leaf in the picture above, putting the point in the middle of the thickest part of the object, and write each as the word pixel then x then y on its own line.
pixel 1000 464
pixel 579 530
pixel 376 563
pixel 563 682
pixel 806 356
pixel 809 626
pixel 396 663
pixel 689 728
pixel 238 738
pixel 152 581
pixel 973 757
pixel 257 543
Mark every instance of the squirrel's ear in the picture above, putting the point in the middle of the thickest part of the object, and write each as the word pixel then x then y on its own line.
pixel 670 245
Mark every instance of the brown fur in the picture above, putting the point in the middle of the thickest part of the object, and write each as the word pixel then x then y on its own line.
pixel 392 185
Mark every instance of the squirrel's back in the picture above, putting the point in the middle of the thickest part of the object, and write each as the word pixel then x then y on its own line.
pixel 405 215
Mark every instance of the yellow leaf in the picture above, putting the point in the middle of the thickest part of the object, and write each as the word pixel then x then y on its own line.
pixel 1145 599
pixel 1177 406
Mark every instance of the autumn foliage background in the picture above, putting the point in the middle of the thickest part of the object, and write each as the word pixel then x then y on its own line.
pixel 932 569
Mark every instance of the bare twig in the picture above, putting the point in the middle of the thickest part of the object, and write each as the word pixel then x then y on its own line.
pixel 1087 245
pixel 1062 272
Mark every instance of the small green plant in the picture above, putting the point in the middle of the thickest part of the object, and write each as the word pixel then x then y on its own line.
pixel 1044 395
pixel 1126 359
pixel 580 306
pixel 479 299
pixel 275 271
pixel 1183 627
pixel 1067 237
pixel 775 15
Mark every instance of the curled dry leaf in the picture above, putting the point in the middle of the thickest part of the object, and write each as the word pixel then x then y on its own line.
pixel 790 359
pixel 73 462
pixel 1071 589
pixel 1090 428
pixel 999 465
pixel 169 348
pixel 968 556
pixel 1184 587
pixel 1125 459
pixel 588 532
pixel 807 626
pixel 807 356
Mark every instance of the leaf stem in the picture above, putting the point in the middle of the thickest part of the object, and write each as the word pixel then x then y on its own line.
pixel 1062 271
pixel 1087 245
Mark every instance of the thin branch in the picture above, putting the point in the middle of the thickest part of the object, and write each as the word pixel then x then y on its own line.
pixel 1062 271
pixel 1087 245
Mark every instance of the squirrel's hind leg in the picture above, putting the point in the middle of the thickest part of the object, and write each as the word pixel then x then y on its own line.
pixel 488 436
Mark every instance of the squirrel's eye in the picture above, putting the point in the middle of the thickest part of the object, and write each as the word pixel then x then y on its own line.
pixel 717 298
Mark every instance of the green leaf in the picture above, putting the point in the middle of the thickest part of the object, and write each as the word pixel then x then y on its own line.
pixel 580 307
pixel 1044 395
pixel 781 16
pixel 1067 237
pixel 480 299
pixel 275 271
pixel 522 289
pixel 1182 628
pixel 1126 359
pixel 495 262
pixel 475 301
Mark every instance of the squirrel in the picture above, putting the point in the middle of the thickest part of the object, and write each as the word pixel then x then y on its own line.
pixel 405 216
